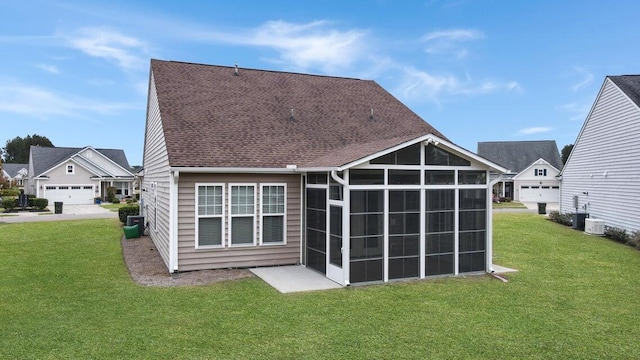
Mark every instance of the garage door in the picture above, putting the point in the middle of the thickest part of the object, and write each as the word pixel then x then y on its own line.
pixel 70 194
pixel 539 193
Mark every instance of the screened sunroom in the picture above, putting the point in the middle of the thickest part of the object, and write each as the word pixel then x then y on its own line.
pixel 421 209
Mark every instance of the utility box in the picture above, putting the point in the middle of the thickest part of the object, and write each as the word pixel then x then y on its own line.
pixel 594 227
pixel 136 220
pixel 578 221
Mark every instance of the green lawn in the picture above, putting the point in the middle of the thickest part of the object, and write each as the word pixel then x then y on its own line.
pixel 113 207
pixel 509 205
pixel 65 293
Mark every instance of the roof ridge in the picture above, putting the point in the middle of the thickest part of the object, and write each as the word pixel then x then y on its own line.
pixel 262 70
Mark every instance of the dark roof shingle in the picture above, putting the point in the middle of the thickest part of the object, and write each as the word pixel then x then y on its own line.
pixel 518 155
pixel 12 169
pixel 44 158
pixel 213 118
pixel 630 85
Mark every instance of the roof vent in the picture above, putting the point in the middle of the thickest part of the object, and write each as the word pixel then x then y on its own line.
pixel 292 117
pixel 371 116
pixel 236 73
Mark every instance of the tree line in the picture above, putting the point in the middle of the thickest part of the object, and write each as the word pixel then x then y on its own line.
pixel 16 150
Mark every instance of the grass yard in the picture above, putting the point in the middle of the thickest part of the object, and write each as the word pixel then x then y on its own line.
pixel 65 293
pixel 113 207
pixel 509 205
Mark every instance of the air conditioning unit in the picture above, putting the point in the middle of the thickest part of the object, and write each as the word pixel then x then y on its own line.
pixel 594 226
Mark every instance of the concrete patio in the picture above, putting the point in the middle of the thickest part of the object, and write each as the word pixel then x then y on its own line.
pixel 297 278
pixel 294 278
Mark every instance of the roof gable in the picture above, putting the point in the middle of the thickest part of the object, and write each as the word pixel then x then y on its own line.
pixel 518 155
pixel 267 119
pixel 12 170
pixel 43 159
pixel 537 163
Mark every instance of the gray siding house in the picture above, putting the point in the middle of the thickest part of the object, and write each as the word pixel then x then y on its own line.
pixel 603 169
pixel 247 168
pixel 77 175
pixel 532 167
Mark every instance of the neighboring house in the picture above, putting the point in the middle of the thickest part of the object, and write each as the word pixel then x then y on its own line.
pixel 16 174
pixel 77 175
pixel 246 168
pixel 532 167
pixel 603 169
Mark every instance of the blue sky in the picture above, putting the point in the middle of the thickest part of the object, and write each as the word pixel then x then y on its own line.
pixel 77 72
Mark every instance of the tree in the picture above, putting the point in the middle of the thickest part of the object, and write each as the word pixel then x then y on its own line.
pixel 16 150
pixel 566 150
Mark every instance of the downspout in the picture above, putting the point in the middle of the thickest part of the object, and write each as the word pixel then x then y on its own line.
pixel 334 176
pixel 173 220
pixel 490 223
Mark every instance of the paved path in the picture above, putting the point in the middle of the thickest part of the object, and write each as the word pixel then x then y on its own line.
pixel 69 212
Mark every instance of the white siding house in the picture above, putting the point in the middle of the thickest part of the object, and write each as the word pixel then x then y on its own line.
pixel 603 169
pixel 537 183
pixel 532 169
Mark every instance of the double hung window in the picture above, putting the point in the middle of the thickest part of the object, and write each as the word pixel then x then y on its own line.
pixel 272 216
pixel 210 215
pixel 242 217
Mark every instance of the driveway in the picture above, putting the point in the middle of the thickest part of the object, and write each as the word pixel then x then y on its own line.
pixel 69 212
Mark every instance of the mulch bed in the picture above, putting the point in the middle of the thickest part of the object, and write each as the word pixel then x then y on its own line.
pixel 147 268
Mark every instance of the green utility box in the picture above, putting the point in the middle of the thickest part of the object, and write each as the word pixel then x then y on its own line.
pixel 131 232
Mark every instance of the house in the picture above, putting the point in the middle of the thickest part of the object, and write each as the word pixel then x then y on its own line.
pixel 603 177
pixel 532 169
pixel 16 174
pixel 247 168
pixel 77 175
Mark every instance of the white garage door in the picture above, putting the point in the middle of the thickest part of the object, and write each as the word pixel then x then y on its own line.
pixel 537 193
pixel 69 194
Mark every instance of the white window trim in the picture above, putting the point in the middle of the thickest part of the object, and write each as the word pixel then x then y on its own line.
pixel 284 215
pixel 72 167
pixel 231 216
pixel 221 216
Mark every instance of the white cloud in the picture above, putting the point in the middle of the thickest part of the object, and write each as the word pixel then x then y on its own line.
pixel 534 130
pixel 449 41
pixel 311 44
pixel 39 102
pixel 578 110
pixel 48 68
pixel 587 79
pixel 111 45
pixel 423 85
pixel 302 46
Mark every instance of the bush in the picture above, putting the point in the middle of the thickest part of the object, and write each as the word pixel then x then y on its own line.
pixel 564 219
pixel 9 192
pixel 111 193
pixel 127 210
pixel 114 200
pixel 9 203
pixel 39 203
pixel 634 239
pixel 131 201
pixel 617 234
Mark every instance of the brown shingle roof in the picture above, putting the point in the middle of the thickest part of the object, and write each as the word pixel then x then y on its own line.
pixel 213 118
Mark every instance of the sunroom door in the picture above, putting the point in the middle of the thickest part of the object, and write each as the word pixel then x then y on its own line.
pixel 335 271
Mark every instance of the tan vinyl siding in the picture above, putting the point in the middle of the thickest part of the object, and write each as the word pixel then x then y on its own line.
pixel 607 143
pixel 156 169
pixel 190 258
